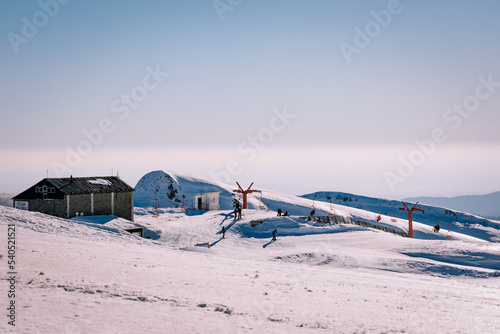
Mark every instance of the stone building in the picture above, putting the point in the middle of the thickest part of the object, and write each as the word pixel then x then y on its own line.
pixel 79 196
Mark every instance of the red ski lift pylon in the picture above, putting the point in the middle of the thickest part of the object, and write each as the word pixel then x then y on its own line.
pixel 245 193
pixel 410 217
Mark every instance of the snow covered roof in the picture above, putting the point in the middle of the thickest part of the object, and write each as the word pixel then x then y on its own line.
pixel 88 185
pixel 100 181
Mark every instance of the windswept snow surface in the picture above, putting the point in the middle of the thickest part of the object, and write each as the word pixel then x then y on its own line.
pixel 86 277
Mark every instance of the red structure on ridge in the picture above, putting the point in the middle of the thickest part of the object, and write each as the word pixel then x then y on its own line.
pixel 245 193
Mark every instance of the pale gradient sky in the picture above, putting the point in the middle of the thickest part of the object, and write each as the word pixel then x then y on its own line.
pixel 353 121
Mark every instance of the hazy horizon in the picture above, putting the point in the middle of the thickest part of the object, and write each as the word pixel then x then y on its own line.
pixel 290 189
pixel 383 98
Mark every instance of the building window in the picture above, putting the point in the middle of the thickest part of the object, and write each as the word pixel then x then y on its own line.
pixel 45 190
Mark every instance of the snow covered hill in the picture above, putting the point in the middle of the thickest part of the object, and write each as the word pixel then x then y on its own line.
pixel 169 188
pixel 483 205
pixel 455 221
pixel 85 277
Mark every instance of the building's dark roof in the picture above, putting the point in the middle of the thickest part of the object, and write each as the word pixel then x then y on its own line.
pixel 88 185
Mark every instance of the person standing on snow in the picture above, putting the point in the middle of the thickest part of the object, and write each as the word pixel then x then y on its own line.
pixel 239 212
pixel 313 212
pixel 279 212
pixel 223 232
pixel 274 235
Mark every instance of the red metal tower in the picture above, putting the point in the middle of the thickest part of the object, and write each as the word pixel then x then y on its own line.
pixel 410 217
pixel 245 192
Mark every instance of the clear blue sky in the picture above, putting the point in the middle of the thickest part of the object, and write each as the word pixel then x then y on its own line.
pixel 364 81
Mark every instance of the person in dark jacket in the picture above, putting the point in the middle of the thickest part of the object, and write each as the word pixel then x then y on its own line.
pixel 274 234
pixel 223 232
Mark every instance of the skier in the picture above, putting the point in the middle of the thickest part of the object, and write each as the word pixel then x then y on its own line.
pixel 378 218
pixel 279 212
pixel 223 232
pixel 313 212
pixel 437 228
pixel 286 214
pixel 274 235
pixel 236 213
pixel 239 212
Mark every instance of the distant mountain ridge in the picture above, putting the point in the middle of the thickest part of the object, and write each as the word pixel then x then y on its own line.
pixel 483 205
pixel 6 199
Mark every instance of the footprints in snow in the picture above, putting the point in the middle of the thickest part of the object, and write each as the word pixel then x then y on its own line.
pixel 218 308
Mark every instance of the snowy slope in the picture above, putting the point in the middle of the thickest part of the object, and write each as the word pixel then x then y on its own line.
pixel 83 277
pixel 457 222
pixel 86 275
pixel 161 185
